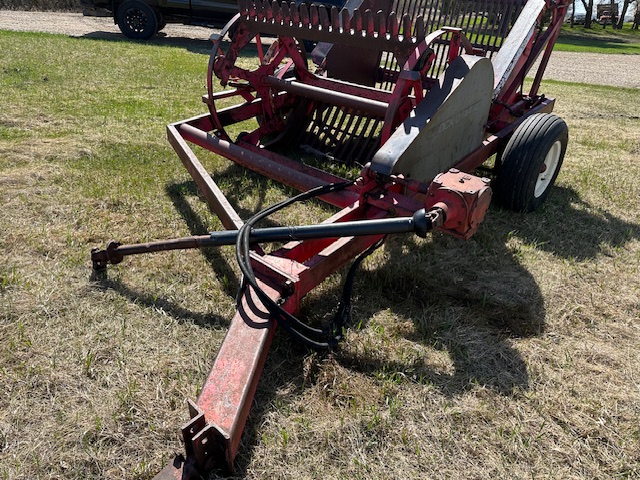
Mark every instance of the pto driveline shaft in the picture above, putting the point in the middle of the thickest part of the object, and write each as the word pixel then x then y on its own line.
pixel 420 223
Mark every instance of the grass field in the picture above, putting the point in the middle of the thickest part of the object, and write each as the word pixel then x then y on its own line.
pixel 512 355
pixel 599 40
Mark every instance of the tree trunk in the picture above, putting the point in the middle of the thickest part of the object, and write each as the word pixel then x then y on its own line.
pixel 625 6
pixel 588 7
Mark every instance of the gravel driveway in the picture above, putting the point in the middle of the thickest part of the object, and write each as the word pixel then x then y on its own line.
pixel 613 69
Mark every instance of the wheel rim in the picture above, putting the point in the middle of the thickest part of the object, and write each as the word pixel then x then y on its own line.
pixel 136 20
pixel 548 169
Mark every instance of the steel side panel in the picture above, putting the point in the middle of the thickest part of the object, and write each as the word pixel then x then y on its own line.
pixel 446 125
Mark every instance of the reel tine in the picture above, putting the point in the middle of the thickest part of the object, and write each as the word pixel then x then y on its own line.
pixel 346 20
pixel 277 12
pixel 324 18
pixel 286 14
pixel 268 11
pixel 368 21
pixel 243 6
pixel 406 27
pixel 304 15
pixel 259 10
pixel 335 19
pixel 356 20
pixel 382 23
pixel 420 30
pixel 393 26
pixel 295 14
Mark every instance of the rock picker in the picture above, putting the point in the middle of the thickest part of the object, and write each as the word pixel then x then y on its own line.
pixel 420 94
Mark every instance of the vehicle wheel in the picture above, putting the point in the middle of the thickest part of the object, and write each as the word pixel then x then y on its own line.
pixel 161 21
pixel 137 20
pixel 531 162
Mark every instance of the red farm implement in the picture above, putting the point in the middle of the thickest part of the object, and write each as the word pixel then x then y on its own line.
pixel 417 94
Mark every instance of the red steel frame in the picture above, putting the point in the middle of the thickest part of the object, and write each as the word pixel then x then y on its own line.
pixel 218 416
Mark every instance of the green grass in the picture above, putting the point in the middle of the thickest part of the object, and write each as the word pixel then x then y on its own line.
pixel 511 355
pixel 599 40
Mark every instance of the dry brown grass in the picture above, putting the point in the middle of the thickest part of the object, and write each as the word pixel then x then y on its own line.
pixel 512 355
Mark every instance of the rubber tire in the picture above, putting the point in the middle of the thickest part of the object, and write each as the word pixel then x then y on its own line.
pixel 137 20
pixel 537 145
pixel 161 21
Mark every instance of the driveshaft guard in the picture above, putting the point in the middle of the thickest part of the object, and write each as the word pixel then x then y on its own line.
pixel 446 125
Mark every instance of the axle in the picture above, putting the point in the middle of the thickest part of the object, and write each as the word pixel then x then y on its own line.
pixel 420 223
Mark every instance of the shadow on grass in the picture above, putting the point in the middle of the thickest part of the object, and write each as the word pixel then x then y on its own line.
pixel 194 45
pixel 469 299
pixel 152 301
pixel 572 228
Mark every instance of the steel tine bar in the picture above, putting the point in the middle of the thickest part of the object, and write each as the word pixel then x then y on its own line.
pixel 387 64
pixel 402 8
pixel 345 136
pixel 482 8
pixel 251 11
pixel 504 25
pixel 314 17
pixel 327 136
pixel 393 33
pixel 338 127
pixel 442 15
pixel 322 117
pixel 266 8
pixel 243 7
pixel 494 35
pixel 375 144
pixel 356 20
pixel 346 20
pixel 356 138
pixel 324 18
pixel 369 136
pixel 259 10
pixel 335 19
pixel 295 14
pixel 456 15
pixel 420 30
pixel 393 26
pixel 277 12
pixel 286 14
pixel 355 147
pixel 406 27
pixel 467 14
pixel 368 22
pixel 316 123
pixel 382 23
pixel 331 132
pixel 479 7
pixel 426 11
pixel 414 10
pixel 304 15
pixel 486 24
pixel 268 11
pixel 500 34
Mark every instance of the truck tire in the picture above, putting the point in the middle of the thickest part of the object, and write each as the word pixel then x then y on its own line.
pixel 530 162
pixel 137 20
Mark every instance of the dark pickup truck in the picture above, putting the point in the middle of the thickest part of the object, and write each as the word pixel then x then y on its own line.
pixel 142 19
